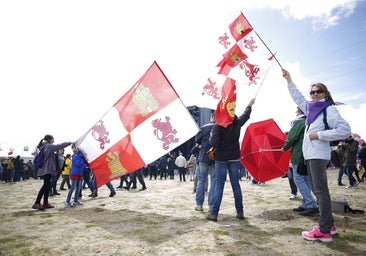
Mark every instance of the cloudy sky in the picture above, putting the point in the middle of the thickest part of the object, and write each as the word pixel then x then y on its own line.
pixel 63 64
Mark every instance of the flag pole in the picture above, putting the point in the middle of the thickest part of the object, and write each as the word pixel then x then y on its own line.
pixel 260 86
pixel 263 41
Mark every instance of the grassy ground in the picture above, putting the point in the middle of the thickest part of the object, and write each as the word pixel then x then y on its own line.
pixel 162 221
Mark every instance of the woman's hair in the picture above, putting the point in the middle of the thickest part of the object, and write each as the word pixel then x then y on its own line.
pixel 46 138
pixel 328 96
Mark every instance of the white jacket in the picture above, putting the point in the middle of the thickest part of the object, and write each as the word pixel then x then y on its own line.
pixel 340 128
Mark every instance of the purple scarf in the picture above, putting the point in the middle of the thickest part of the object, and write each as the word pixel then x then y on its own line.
pixel 314 109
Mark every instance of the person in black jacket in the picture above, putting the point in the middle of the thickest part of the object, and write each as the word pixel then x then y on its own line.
pixel 227 158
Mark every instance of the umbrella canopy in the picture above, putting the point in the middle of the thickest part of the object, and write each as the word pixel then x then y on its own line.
pixel 261 151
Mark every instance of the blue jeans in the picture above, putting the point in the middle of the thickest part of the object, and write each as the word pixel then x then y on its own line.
pixel 349 170
pixel 340 174
pixel 110 186
pixel 75 186
pixel 290 177
pixel 303 184
pixel 221 172
pixel 204 170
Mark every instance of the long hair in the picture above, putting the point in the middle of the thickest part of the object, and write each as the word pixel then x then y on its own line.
pixel 328 96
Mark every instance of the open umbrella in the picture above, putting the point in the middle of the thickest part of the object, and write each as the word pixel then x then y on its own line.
pixel 261 151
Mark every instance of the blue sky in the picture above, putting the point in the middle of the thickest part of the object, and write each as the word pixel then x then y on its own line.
pixel 75 59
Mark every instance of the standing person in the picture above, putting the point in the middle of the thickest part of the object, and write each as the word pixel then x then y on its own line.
pixel 78 166
pixel 191 165
pixel 205 166
pixel 350 160
pixel 362 157
pixel 163 167
pixel 60 158
pixel 181 163
pixel 340 154
pixel 47 170
pixel 227 158
pixel 294 142
pixel 66 173
pixel 10 170
pixel 316 149
pixel 171 165
pixel 18 168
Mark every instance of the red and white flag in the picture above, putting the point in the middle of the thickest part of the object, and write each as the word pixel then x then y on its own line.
pixel 246 42
pixel 146 123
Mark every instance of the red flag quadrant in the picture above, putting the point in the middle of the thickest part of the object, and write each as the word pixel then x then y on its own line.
pixel 231 59
pixel 146 123
pixel 226 107
pixel 240 27
pixel 261 151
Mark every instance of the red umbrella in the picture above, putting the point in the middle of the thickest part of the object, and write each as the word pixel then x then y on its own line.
pixel 261 151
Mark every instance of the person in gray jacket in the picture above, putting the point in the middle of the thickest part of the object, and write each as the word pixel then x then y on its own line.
pixel 48 170
pixel 316 149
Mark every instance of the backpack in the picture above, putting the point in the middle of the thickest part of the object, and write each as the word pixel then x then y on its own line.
pixel 334 158
pixel 334 142
pixel 39 159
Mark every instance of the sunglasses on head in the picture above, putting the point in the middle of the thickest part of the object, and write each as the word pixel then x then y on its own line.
pixel 316 91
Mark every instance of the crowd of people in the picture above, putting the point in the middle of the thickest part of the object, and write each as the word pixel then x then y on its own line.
pixel 316 124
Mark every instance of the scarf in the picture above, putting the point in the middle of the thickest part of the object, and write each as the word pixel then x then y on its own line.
pixel 314 109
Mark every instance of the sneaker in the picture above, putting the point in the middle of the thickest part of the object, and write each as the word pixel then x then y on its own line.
pixel 333 229
pixel 240 216
pixel 211 217
pixel 349 187
pixel 298 209
pixel 198 208
pixel 48 206
pixel 293 197
pixel 309 212
pixel 38 207
pixel 69 205
pixel 142 189
pixel 356 184
pixel 316 235
pixel 77 203
pixel 112 194
pixel 341 184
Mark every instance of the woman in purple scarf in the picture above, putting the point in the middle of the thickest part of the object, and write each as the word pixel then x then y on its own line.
pixel 316 149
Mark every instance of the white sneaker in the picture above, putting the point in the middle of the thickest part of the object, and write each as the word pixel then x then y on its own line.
pixel 199 208
pixel 293 197
pixel 349 187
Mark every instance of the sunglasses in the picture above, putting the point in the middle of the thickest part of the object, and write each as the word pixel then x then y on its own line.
pixel 316 91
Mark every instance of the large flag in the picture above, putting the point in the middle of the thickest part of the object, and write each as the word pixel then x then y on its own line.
pixel 225 111
pixel 146 123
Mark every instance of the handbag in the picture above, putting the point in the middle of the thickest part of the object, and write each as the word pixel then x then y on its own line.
pixel 301 168
pixel 211 154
